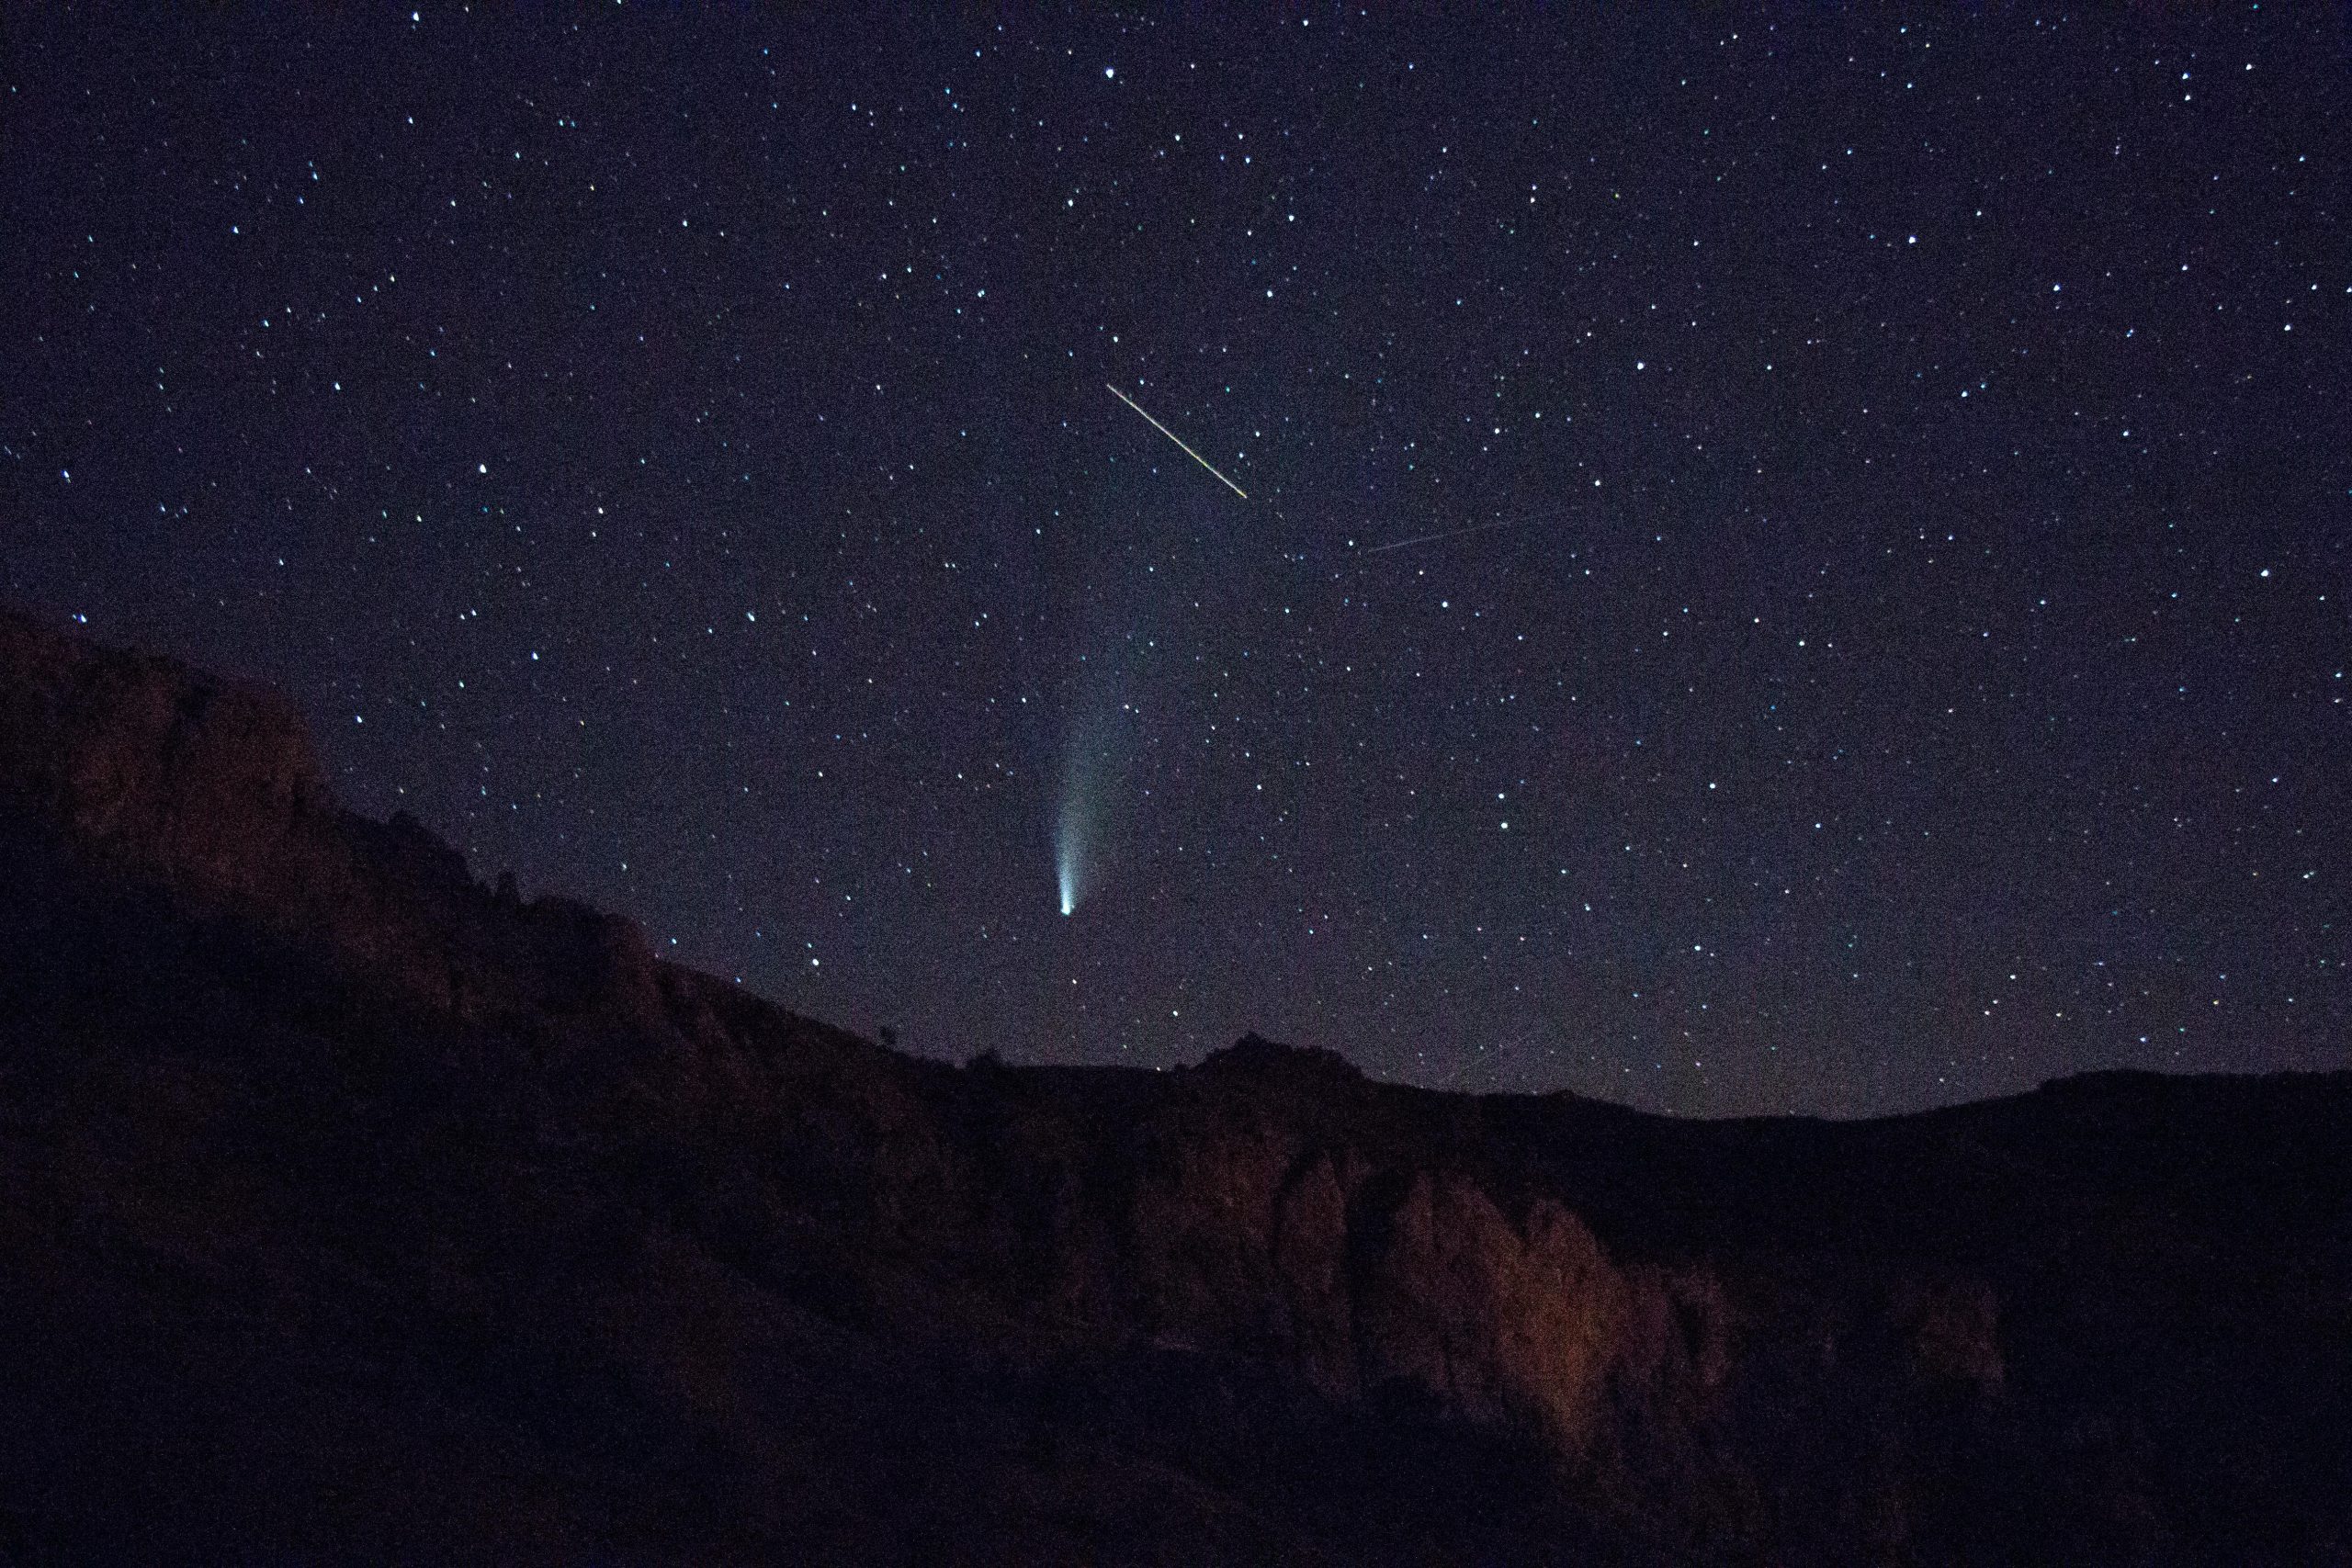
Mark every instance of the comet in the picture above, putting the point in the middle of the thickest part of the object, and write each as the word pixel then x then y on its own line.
pixel 1176 439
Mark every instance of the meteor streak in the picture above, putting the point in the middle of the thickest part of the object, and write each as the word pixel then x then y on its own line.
pixel 1176 439
pixel 1452 534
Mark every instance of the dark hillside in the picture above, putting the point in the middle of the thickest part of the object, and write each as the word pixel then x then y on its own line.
pixel 353 1211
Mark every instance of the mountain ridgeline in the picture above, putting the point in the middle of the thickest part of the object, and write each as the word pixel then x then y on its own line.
pixel 353 1211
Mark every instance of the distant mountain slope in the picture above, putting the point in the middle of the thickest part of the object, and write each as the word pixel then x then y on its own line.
pixel 351 1210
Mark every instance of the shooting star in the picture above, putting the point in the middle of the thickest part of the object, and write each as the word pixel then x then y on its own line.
pixel 1452 534
pixel 1176 439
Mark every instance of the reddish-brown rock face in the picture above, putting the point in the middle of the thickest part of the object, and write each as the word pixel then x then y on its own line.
pixel 1252 1246
pixel 405 1219
pixel 153 769
pixel 1495 1319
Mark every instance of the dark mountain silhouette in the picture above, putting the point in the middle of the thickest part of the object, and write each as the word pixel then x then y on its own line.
pixel 351 1210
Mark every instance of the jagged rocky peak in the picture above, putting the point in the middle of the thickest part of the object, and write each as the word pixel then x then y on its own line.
pixel 143 768
pixel 153 766
pixel 1254 1054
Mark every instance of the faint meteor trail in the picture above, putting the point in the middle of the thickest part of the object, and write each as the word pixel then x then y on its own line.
pixel 1176 439
pixel 1449 533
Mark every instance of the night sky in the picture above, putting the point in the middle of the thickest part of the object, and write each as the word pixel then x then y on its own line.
pixel 1790 562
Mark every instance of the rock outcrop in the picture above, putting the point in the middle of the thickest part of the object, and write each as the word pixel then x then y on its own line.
pixel 350 1210
pixel 150 773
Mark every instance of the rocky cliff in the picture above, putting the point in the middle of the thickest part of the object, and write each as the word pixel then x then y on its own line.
pixel 352 1211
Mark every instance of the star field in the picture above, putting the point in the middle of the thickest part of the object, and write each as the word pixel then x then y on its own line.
pixel 1791 563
